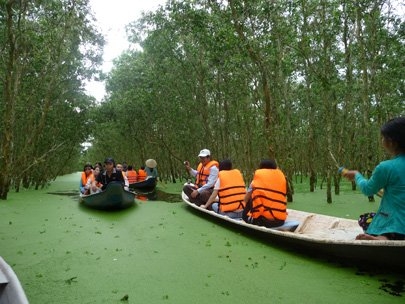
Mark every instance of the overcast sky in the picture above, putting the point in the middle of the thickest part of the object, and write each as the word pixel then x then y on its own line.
pixel 112 17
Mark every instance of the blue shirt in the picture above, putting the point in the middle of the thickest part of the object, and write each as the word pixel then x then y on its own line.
pixel 389 175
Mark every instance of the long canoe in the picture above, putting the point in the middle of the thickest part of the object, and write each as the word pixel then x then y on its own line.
pixel 113 197
pixel 324 234
pixel 148 185
pixel 11 291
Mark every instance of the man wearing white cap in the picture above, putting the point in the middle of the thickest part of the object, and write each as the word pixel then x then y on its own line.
pixel 206 175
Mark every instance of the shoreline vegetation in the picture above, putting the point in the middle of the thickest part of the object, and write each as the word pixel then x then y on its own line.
pixel 160 252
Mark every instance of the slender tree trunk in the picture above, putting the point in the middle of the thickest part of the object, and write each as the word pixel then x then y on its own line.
pixel 263 76
pixel 9 93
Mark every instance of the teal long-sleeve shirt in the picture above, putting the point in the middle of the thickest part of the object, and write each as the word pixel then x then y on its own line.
pixel 390 176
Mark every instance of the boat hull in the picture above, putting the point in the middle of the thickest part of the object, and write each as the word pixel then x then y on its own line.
pixel 113 197
pixel 148 185
pixel 11 291
pixel 324 235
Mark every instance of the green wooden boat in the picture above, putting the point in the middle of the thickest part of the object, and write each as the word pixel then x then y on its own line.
pixel 113 197
pixel 146 186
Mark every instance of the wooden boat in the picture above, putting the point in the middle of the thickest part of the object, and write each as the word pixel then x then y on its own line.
pixel 113 197
pixel 11 291
pixel 148 185
pixel 324 235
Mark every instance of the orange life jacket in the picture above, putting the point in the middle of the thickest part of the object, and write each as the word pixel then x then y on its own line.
pixel 231 191
pixel 141 175
pixel 85 178
pixel 269 195
pixel 203 172
pixel 132 176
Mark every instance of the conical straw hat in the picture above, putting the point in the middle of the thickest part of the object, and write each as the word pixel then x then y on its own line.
pixel 151 163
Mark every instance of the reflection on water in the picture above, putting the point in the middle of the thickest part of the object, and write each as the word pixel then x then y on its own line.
pixel 157 195
pixel 74 194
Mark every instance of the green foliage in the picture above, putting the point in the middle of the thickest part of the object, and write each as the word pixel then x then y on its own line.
pixel 50 49
pixel 256 79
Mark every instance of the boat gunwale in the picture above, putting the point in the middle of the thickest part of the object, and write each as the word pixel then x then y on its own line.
pixel 299 235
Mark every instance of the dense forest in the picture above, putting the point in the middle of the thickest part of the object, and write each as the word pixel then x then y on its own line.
pixel 292 80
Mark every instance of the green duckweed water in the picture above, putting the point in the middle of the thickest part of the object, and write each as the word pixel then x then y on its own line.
pixel 159 252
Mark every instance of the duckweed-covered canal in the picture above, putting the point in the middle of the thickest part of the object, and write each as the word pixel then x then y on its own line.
pixel 160 252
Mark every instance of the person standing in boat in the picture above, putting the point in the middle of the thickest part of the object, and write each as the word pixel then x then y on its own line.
pixel 231 190
pixel 110 174
pixel 150 168
pixel 85 177
pixel 206 175
pixel 388 223
pixel 266 197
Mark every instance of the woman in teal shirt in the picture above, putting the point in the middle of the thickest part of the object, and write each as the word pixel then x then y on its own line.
pixel 389 221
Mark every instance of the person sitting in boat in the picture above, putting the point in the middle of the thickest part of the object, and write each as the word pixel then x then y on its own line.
pixel 100 165
pixel 141 174
pixel 206 175
pixel 388 223
pixel 85 177
pixel 131 175
pixel 124 166
pixel 266 200
pixel 110 174
pixel 95 187
pixel 120 167
pixel 150 168
pixel 231 190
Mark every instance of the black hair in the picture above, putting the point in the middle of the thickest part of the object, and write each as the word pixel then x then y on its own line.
pixel 268 164
pixel 225 164
pixel 87 165
pixel 394 130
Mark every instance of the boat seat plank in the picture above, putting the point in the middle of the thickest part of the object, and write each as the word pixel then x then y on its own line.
pixel 304 222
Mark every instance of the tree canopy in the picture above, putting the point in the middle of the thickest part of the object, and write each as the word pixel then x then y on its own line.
pixel 290 80
pixel 255 79
pixel 49 48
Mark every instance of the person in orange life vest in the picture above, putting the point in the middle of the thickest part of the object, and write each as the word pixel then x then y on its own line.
pixel 206 175
pixel 86 175
pixel 231 190
pixel 266 201
pixel 110 174
pixel 95 187
pixel 141 174
pixel 131 174
pixel 120 167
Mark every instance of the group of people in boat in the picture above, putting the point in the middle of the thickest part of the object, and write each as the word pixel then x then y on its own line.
pixel 95 178
pixel 221 188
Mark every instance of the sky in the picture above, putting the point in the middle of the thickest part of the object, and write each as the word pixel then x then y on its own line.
pixel 112 17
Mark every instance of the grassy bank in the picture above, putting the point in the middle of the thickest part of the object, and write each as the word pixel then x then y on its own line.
pixel 160 252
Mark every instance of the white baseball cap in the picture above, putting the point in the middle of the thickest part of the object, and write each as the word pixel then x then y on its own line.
pixel 204 153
